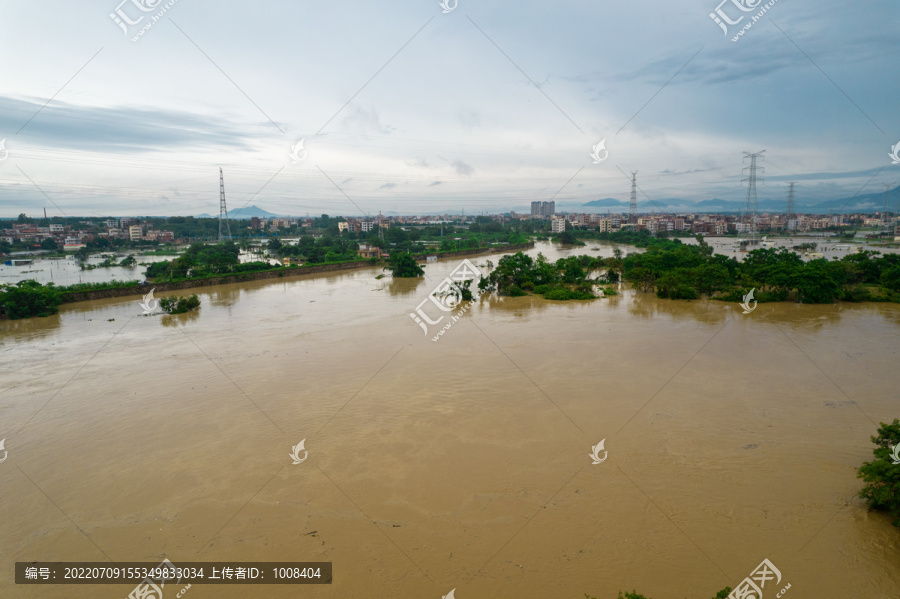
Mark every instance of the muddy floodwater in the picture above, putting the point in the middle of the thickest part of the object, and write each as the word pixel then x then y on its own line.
pixel 457 464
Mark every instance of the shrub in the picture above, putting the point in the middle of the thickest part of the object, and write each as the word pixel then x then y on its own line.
pixel 563 294
pixel 856 293
pixel 179 305
pixel 676 291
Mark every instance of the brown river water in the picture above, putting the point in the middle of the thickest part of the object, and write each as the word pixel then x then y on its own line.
pixel 458 464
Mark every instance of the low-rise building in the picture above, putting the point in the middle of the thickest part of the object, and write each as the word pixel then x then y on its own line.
pixel 557 224
pixel 72 244
pixel 369 251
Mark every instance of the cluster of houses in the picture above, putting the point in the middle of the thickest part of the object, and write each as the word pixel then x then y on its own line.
pixel 71 239
pixel 713 224
pixel 273 224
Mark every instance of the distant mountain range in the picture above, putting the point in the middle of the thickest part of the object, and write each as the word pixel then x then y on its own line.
pixel 245 213
pixel 870 202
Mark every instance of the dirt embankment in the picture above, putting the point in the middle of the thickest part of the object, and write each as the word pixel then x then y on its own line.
pixel 160 288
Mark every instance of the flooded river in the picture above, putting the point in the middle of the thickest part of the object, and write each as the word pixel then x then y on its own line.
pixel 458 464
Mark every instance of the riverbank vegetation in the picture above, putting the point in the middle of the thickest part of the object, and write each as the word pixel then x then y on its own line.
pixel 675 270
pixel 679 271
pixel 29 298
pixel 566 279
pixel 882 475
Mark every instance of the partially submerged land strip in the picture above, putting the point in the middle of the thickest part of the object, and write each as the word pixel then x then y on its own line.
pixel 679 271
pixel 275 273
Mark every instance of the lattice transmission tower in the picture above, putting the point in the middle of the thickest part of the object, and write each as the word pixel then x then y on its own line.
pixel 790 213
pixel 752 207
pixel 887 207
pixel 224 226
pixel 632 209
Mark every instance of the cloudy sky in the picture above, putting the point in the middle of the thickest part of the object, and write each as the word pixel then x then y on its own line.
pixel 402 107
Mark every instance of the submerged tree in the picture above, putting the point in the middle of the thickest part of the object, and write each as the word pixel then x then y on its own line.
pixel 882 475
pixel 179 305
pixel 404 265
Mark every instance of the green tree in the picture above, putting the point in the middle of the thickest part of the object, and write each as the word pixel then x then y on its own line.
pixel 882 475
pixel 710 277
pixel 404 265
pixel 568 237
pixel 29 298
pixel 49 244
pixel 179 305
pixel 890 278
pixel 815 283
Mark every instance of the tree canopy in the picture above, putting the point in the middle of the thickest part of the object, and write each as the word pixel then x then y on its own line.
pixel 404 265
pixel 882 475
